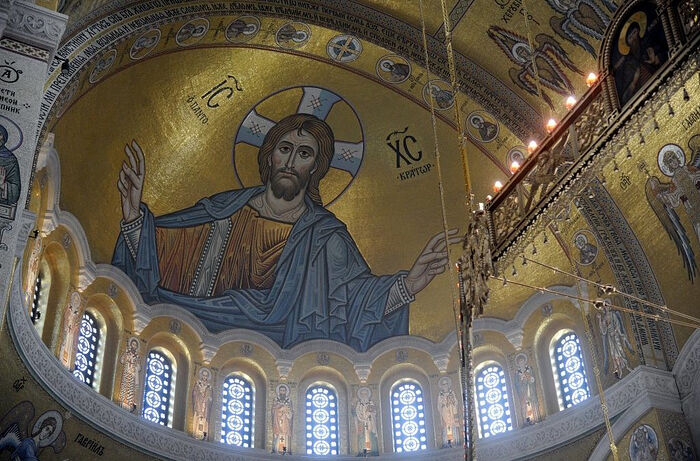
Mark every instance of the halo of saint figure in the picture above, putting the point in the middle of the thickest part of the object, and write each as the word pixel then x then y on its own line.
pixel 26 441
pixel 269 258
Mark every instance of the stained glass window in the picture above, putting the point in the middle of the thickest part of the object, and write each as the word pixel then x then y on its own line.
pixel 237 411
pixel 408 416
pixel 158 388
pixel 88 344
pixel 36 311
pixel 321 421
pixel 570 375
pixel 492 406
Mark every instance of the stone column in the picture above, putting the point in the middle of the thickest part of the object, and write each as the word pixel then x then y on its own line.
pixel 29 36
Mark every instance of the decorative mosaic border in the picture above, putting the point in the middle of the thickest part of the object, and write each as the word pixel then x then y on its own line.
pixel 479 85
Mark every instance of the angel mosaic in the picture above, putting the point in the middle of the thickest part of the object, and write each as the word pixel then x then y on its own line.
pixel 25 441
pixel 549 57
pixel 615 340
pixel 579 19
pixel 683 191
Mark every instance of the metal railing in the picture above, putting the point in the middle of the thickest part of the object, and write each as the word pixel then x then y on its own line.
pixel 524 193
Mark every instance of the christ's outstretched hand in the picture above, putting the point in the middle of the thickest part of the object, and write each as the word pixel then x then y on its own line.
pixel 130 181
pixel 432 261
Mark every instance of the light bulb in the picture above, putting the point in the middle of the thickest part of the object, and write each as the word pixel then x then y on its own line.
pixel 497 186
pixel 532 147
pixel 551 125
pixel 591 79
pixel 514 166
pixel 570 102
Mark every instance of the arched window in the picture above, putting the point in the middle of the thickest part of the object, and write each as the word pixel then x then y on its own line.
pixel 492 406
pixel 237 411
pixel 159 388
pixel 408 416
pixel 569 372
pixel 36 310
pixel 85 364
pixel 321 420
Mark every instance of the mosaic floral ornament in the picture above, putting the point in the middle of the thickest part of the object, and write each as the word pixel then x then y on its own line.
pixel 344 48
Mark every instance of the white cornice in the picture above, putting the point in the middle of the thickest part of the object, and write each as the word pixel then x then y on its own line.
pixel 32 25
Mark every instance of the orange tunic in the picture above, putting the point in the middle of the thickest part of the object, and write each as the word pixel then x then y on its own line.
pixel 249 260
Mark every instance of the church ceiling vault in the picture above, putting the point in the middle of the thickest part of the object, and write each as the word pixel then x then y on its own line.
pixel 273 53
pixel 496 43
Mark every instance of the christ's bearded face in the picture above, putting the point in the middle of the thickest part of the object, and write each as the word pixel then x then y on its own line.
pixel 293 161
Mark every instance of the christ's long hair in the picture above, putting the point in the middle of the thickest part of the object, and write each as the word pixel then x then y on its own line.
pixel 323 134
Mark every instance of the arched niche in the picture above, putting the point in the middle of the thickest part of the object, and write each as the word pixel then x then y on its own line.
pixel 326 376
pixel 393 376
pixel 169 344
pixel 566 318
pixel 110 320
pixel 60 274
pixel 496 352
pixel 251 371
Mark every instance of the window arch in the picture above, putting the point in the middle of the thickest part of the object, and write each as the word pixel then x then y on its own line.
pixel 408 417
pixel 492 402
pixel 568 369
pixel 159 389
pixel 237 411
pixel 321 420
pixel 85 365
